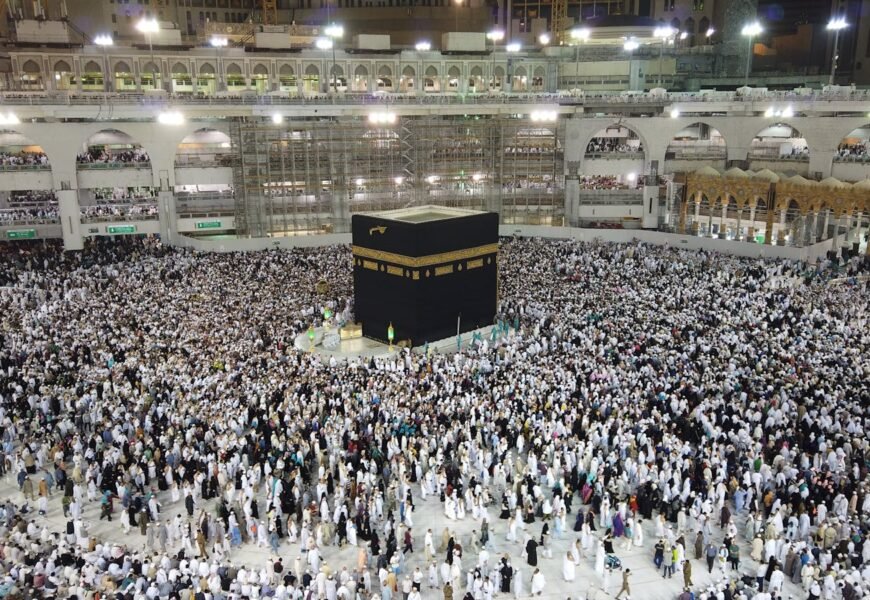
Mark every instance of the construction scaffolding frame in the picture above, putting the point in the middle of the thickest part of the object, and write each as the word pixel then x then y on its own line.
pixel 312 175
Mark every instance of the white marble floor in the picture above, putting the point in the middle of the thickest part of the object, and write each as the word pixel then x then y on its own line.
pixel 646 582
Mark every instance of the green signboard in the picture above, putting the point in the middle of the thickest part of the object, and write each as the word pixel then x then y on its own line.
pixel 121 229
pixel 209 225
pixel 21 234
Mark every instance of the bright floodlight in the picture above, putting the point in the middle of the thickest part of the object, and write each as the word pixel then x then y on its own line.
pixel 323 43
pixel 544 38
pixel 431 179
pixel 277 119
pixel 360 181
pixel 477 176
pixel 769 112
pixel 664 32
pixel 675 112
pixel 631 45
pixel 837 24
pixel 148 26
pixel 171 117
pixel 218 42
pixel 398 180
pixel 752 29
pixel 334 31
pixel 382 118
pixel 546 115
pixel 631 176
pixel 684 35
pixel 423 46
pixel 710 32
pixel 9 119
pixel 496 35
pixel 513 47
pixel 788 112
pixel 580 33
pixel 104 39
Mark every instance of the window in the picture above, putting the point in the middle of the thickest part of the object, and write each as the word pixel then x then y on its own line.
pixel 114 18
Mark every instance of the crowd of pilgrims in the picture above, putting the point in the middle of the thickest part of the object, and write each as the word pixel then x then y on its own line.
pixel 107 155
pixel 601 145
pixel 713 405
pixel 23 159
pixel 852 152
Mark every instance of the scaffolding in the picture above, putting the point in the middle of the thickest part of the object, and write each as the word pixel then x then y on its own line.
pixel 312 175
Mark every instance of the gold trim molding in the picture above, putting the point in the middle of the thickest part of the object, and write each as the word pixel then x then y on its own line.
pixel 424 261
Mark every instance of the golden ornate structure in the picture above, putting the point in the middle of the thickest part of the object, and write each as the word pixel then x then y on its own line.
pixel 772 193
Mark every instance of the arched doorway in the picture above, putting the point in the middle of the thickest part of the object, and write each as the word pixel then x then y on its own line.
pixel 696 146
pixel 430 80
pixel 182 82
pixel 18 153
pixel 385 79
pixel 360 79
pixel 92 77
pixel 111 148
pixel 64 78
pixel 260 79
pixel 406 83
pixel 287 80
pixel 150 76
pixel 453 75
pixel 520 80
pixel 852 161
pixel 311 80
pixel 779 147
pixel 206 81
pixel 31 77
pixel 235 79
pixel 205 147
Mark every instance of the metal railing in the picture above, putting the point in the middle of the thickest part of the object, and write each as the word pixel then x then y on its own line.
pixel 9 168
pixel 203 160
pixel 112 165
pixel 427 98
pixel 614 155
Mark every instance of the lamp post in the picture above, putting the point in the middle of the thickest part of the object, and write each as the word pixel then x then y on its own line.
pixel 663 33
pixel 323 43
pixel 150 27
pixel 391 334
pixel 495 36
pixel 104 41
pixel 836 25
pixel 580 34
pixel 630 46
pixel 334 32
pixel 750 31
pixel 218 42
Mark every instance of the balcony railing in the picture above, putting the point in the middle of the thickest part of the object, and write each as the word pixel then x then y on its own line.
pixel 188 161
pixel 10 168
pixel 113 165
pixel 614 155
pixel 426 98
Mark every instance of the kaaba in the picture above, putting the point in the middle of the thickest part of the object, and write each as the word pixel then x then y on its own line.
pixel 424 270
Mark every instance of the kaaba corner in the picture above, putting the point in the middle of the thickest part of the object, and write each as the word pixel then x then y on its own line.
pixel 425 271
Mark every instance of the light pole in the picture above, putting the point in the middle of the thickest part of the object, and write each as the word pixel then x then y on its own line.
pixel 630 46
pixel 334 32
pixel 663 33
pixel 217 43
pixel 150 27
pixel 750 31
pixel 511 48
pixel 580 34
pixel 495 36
pixel 104 41
pixel 323 43
pixel 836 25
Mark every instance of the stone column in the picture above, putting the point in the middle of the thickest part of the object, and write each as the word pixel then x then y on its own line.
pixel 70 219
pixel 168 217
